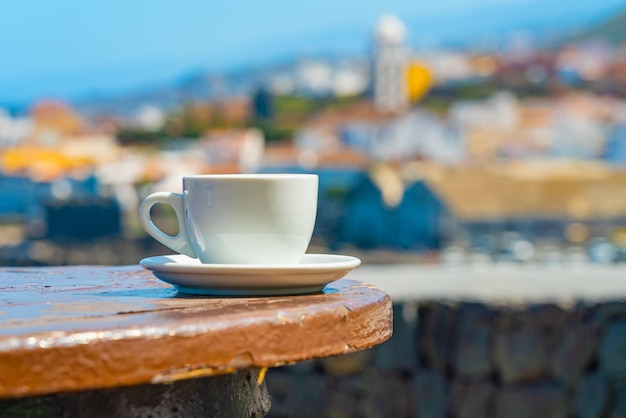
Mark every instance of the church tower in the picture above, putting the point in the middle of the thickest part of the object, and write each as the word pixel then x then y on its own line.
pixel 390 65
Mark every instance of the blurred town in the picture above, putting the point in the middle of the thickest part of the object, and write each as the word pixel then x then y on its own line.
pixel 504 152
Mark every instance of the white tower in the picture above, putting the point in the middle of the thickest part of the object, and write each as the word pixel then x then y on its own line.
pixel 391 60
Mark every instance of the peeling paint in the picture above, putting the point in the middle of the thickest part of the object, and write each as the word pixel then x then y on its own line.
pixel 189 373
pixel 261 378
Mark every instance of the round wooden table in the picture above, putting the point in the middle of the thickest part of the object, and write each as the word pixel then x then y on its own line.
pixel 73 339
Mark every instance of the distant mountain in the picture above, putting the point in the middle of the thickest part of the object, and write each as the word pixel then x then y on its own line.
pixel 547 23
pixel 612 29
pixel 194 86
pixel 200 86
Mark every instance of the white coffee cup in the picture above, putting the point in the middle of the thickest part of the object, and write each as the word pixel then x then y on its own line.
pixel 239 218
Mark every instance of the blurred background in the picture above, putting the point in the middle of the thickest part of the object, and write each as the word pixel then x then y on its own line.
pixel 460 132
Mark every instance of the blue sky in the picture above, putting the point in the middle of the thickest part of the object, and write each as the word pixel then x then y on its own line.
pixel 65 48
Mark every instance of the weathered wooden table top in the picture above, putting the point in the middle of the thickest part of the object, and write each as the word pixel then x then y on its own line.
pixel 89 327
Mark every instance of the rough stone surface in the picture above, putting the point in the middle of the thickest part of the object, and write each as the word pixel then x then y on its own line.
pixel 613 350
pixel 548 317
pixel 379 389
pixel 570 377
pixel 435 336
pixel 431 398
pixel 472 354
pixel 347 363
pixel 592 397
pixel 342 403
pixel 306 393
pixel 619 407
pixel 519 355
pixel 189 398
pixel 574 353
pixel 401 356
pixel 608 312
pixel 543 400
pixel 472 399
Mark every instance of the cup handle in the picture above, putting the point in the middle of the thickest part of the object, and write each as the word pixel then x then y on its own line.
pixel 179 242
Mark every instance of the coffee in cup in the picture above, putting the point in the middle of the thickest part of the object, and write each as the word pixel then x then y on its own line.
pixel 239 218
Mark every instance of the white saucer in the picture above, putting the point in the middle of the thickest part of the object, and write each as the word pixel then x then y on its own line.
pixel 188 275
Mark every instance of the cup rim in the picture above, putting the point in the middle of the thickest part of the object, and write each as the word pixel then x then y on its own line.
pixel 260 176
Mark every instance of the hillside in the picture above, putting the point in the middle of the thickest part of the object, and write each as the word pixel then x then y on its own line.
pixel 612 29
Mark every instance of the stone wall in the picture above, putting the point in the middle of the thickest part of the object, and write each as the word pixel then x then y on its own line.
pixel 465 359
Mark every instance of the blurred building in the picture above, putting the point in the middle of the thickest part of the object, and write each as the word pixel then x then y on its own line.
pixel 414 135
pixel 424 206
pixel 54 120
pixel 150 118
pixel 82 219
pixel 383 212
pixel 572 126
pixel 381 136
pixel 318 77
pixel 615 152
pixel 390 65
pixel 13 130
pixel 263 107
pixel 534 199
pixel 235 150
